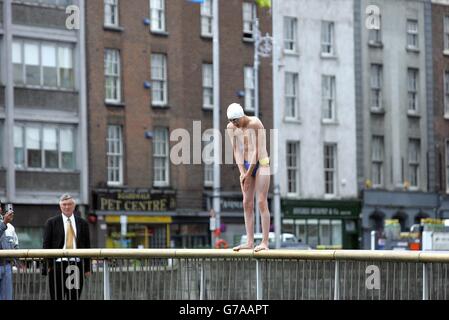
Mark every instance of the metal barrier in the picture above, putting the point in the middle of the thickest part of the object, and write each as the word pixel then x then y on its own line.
pixel 165 274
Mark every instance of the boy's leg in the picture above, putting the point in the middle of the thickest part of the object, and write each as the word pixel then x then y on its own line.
pixel 248 190
pixel 262 187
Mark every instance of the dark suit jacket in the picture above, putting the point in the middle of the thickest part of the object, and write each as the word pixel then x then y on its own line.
pixel 54 237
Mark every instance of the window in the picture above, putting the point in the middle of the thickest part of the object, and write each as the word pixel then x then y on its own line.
pixel 291 96
pixel 327 38
pixel 32 69
pixel 33 147
pixel 376 221
pixel 293 168
pixel 206 18
pixel 328 96
pixel 44 147
pixel 50 148
pixel 49 68
pixel 413 161
pixel 376 86
pixel 30 237
pixel 377 160
pixel 447 166
pixel 446 34
pixel 67 148
pixel 337 232
pixel 65 67
pixel 208 159
pixel 19 150
pixel 330 169
pixel 249 17
pixel 61 3
pixel 316 232
pixel 412 75
pixel 446 93
pixel 250 93
pixel 114 155
pixel 157 15
pixel 111 13
pixel 43 64
pixel 325 232
pixel 17 61
pixel 375 35
pixel 159 79
pixel 312 232
pixel 208 86
pixel 112 76
pixel 160 157
pixel 412 34
pixel 290 30
pixel 402 218
pixel 301 230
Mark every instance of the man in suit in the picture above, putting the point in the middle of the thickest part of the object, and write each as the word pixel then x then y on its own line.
pixel 66 231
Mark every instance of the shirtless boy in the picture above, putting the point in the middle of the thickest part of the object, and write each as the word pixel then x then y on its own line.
pixel 248 139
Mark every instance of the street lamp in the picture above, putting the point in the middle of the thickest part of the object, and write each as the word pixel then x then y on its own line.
pixel 216 112
pixel 263 46
pixel 276 118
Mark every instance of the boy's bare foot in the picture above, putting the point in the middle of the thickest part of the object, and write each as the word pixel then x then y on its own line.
pixel 261 247
pixel 243 246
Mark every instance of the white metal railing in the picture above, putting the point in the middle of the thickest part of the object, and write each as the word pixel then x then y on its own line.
pixel 224 274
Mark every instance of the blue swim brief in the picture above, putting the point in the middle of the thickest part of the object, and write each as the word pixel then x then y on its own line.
pixel 247 165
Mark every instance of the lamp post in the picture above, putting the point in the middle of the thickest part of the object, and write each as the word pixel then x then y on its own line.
pixel 276 108
pixel 263 47
pixel 216 112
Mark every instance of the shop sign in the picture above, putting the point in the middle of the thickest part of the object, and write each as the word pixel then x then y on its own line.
pixel 295 208
pixel 231 204
pixel 134 200
pixel 140 219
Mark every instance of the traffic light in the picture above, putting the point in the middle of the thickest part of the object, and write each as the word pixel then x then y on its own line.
pixel 92 218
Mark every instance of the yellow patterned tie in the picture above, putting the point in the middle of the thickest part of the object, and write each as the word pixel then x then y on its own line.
pixel 69 236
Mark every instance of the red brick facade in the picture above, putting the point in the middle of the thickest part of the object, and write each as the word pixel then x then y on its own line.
pixel 440 65
pixel 186 51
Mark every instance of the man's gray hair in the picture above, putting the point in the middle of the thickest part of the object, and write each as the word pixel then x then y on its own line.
pixel 65 197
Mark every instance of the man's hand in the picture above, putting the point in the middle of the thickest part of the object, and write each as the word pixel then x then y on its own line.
pixel 87 274
pixel 7 218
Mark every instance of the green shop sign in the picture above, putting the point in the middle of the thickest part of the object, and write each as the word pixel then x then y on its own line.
pixel 320 209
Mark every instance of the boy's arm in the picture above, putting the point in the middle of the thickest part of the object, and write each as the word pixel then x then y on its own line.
pixel 254 140
pixel 235 150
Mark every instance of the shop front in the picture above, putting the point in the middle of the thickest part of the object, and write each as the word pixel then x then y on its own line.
pixel 232 220
pixel 405 207
pixel 323 224
pixel 141 232
pixel 443 209
pixel 134 218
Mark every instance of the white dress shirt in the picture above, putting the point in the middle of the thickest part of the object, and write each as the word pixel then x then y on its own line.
pixel 64 223
pixel 72 221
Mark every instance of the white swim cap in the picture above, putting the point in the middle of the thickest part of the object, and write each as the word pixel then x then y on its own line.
pixel 235 111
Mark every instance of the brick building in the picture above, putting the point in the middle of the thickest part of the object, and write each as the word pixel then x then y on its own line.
pixel 149 68
pixel 440 43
